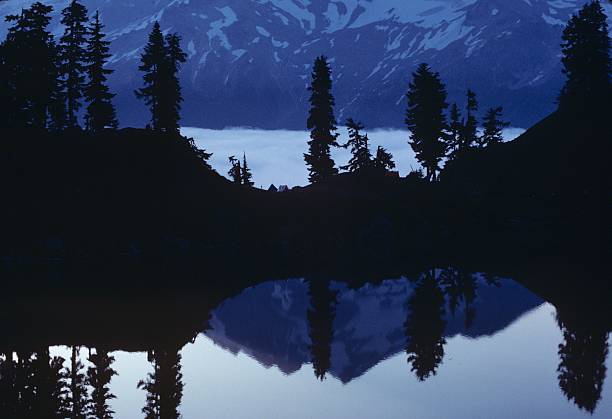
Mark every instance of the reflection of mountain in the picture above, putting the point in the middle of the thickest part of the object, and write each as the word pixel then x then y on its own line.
pixel 269 322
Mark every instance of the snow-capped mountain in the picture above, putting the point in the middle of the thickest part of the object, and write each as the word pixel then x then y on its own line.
pixel 250 60
pixel 269 322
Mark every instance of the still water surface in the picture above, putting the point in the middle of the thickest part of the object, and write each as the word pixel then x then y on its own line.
pixel 446 345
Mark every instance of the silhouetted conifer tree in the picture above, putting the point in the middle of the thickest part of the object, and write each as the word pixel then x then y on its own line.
pixel 492 127
pixel 586 61
pixel 30 59
pixel 100 110
pixel 73 58
pixel 245 173
pixel 99 376
pixel 426 120
pixel 360 149
pixel 469 133
pixel 425 327
pixel 383 160
pixel 235 171
pixel 455 129
pixel 77 395
pixel 171 97
pixel 321 123
pixel 152 65
pixel 582 363
pixel 160 63
pixel 49 382
pixel 321 315
pixel 164 386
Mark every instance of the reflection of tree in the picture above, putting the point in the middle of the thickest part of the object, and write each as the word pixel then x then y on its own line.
pixel 8 390
pixel 425 327
pixel 321 316
pixel 32 386
pixel 460 286
pixel 582 369
pixel 99 376
pixel 164 386
pixel 77 395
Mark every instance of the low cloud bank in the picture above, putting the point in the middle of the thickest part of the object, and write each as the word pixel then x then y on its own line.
pixel 277 157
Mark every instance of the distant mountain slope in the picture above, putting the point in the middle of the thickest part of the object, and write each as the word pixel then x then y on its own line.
pixel 249 61
pixel 269 322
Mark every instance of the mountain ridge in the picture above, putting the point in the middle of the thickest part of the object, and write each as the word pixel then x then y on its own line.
pixel 249 62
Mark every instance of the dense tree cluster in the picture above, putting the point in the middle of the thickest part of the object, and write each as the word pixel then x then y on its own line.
pixel 586 61
pixel 160 63
pixel 44 82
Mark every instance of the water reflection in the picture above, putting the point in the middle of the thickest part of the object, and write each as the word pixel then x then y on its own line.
pixel 582 369
pixel 341 331
pixel 425 326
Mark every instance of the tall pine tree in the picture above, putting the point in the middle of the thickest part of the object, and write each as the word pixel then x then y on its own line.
pixel 77 395
pixel 245 173
pixel 321 123
pixel 170 101
pixel 161 61
pixel 31 68
pixel 586 61
pixel 469 134
pixel 99 376
pixel 426 120
pixel 164 386
pixel 100 110
pixel 152 62
pixel 73 58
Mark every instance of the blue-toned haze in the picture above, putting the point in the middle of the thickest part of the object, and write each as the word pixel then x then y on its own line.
pixel 249 61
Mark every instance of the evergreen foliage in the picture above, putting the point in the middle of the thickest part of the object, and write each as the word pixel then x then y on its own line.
pixel 455 130
pixel 31 66
pixel 171 96
pixel 100 110
pixel 383 160
pixel 426 120
pixel 321 315
pixel 164 386
pixel 360 150
pixel 161 92
pixel 469 134
pixel 425 327
pixel 586 61
pixel 152 62
pixel 78 394
pixel 245 173
pixel 321 123
pixel 235 171
pixel 99 377
pixel 73 58
pixel 493 126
